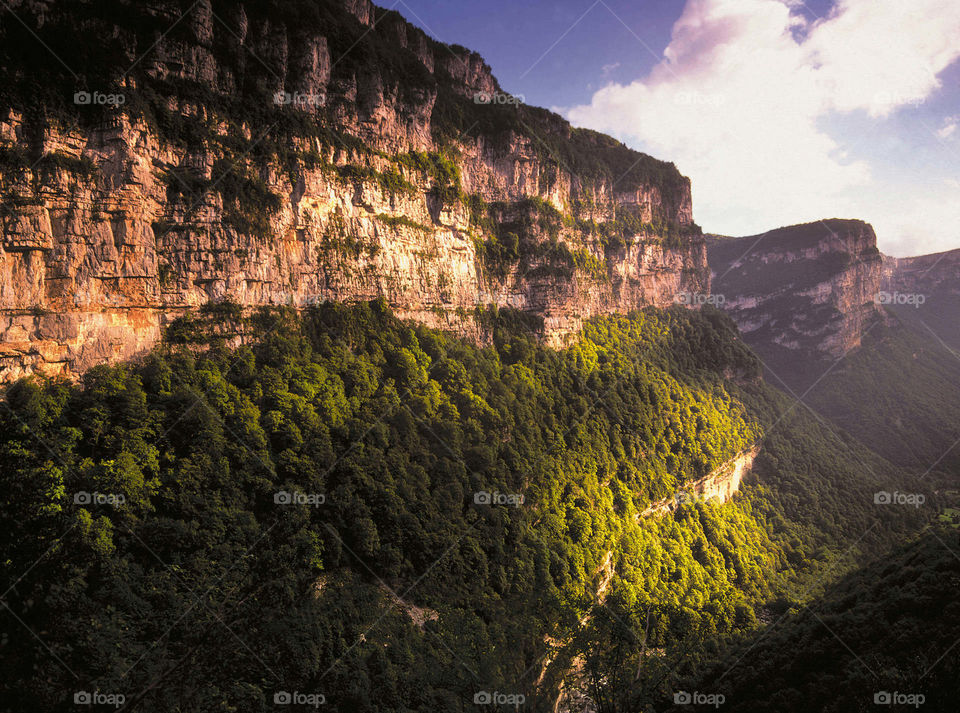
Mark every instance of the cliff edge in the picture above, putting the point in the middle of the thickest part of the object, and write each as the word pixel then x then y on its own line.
pixel 273 153
pixel 802 293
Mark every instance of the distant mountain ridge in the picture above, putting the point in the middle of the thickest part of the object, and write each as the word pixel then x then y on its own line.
pixel 812 291
pixel 866 340
pixel 928 289
pixel 804 290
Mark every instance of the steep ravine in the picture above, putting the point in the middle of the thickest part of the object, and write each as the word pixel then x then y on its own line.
pixel 718 486
pixel 205 186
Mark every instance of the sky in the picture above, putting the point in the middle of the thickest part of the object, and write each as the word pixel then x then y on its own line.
pixel 780 111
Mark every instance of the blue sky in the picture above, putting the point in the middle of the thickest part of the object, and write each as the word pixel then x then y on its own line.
pixel 513 36
pixel 780 111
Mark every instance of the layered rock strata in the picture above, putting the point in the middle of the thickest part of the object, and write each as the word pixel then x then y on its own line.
pixel 810 290
pixel 273 160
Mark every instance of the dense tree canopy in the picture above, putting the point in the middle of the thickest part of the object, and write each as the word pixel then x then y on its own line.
pixel 395 519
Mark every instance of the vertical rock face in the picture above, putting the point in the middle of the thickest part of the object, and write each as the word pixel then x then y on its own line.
pixel 283 159
pixel 924 292
pixel 924 274
pixel 806 292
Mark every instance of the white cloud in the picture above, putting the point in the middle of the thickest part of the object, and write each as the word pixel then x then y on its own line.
pixel 949 127
pixel 739 99
pixel 930 226
pixel 882 54
pixel 608 69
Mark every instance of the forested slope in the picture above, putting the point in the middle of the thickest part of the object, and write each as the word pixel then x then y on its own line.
pixel 335 509
pixel 885 634
pixel 900 395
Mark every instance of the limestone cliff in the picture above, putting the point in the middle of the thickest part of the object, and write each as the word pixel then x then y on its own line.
pixel 807 292
pixel 923 274
pixel 266 153
pixel 924 292
pixel 719 485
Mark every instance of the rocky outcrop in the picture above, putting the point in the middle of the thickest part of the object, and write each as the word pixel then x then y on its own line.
pixel 807 290
pixel 270 161
pixel 718 486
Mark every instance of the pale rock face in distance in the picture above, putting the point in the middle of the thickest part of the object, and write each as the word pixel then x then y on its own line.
pixel 810 289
